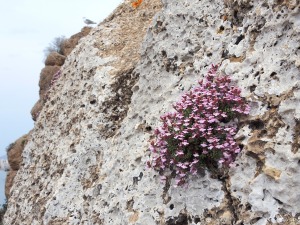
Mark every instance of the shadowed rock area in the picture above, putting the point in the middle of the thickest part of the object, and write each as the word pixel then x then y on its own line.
pixel 84 162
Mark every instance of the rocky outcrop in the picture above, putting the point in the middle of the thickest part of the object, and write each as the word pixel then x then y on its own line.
pixel 14 156
pixel 9 182
pixel 46 76
pixel 69 44
pixel 53 63
pixel 55 59
pixel 85 161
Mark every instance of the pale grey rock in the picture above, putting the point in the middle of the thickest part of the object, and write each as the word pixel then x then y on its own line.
pixel 85 162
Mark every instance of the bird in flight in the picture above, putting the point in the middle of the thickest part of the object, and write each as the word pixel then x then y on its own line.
pixel 87 21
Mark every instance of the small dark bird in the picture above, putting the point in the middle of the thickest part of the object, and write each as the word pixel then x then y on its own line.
pixel 87 21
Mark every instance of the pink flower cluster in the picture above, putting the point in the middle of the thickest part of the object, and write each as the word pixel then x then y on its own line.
pixel 198 133
pixel 55 77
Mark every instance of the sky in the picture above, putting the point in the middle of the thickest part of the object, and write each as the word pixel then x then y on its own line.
pixel 27 27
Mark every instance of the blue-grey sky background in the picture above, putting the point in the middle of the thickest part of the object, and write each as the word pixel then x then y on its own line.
pixel 27 28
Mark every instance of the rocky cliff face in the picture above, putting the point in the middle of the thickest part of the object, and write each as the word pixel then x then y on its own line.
pixel 53 63
pixel 14 156
pixel 85 160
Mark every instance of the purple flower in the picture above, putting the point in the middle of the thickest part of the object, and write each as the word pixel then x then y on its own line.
pixel 184 143
pixel 192 136
pixel 179 153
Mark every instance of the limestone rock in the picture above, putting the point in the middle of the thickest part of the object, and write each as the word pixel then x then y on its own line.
pixel 272 172
pixel 9 182
pixel 45 79
pixel 14 155
pixel 53 63
pixel 85 161
pixel 69 44
pixel 55 59
pixel 36 109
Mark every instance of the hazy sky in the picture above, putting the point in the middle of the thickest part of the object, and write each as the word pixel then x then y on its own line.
pixel 27 28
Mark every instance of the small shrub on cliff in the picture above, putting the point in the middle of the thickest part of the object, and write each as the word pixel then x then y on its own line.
pixel 10 146
pixel 55 46
pixel 200 132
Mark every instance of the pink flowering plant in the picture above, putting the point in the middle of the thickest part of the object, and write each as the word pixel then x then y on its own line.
pixel 200 132
pixel 55 78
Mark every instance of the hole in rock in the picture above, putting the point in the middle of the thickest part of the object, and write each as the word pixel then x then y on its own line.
pixel 135 180
pixel 273 74
pixel 171 206
pixel 248 207
pixel 93 101
pixel 221 29
pixel 138 160
pixel 141 175
pixel 148 128
pixel 197 220
pixel 252 88
pixel 239 39
pixel 164 53
pixel 256 74
pixel 225 54
pixel 257 124
pixel 182 219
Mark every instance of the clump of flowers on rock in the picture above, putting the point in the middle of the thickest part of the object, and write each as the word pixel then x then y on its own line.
pixel 55 78
pixel 200 132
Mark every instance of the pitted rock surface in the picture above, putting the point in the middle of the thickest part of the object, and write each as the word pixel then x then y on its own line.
pixel 85 160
